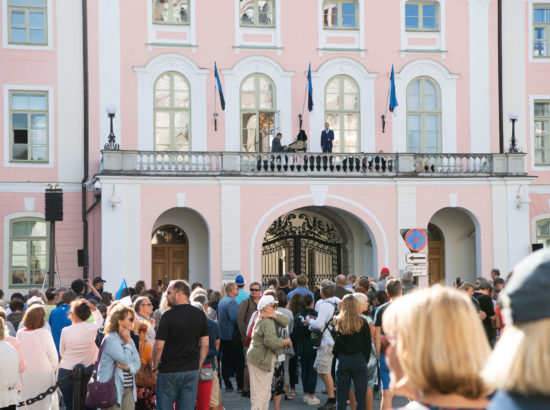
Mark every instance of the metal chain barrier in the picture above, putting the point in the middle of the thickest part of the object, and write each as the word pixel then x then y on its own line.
pixel 50 390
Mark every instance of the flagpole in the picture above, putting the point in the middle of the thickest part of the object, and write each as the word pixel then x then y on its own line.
pixel 215 110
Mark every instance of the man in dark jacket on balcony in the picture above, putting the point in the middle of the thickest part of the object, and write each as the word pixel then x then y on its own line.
pixel 327 136
pixel 276 143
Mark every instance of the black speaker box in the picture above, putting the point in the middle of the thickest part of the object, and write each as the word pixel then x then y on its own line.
pixel 82 255
pixel 536 246
pixel 54 205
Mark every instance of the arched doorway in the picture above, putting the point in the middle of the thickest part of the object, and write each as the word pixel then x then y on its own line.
pixel 436 255
pixel 302 242
pixel 170 254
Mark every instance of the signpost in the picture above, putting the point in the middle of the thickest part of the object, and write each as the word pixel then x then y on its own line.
pixel 416 239
pixel 416 258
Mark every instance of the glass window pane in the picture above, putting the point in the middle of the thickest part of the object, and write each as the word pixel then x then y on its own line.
pixel 249 132
pixel 37 228
pixel 333 85
pixel 181 99
pixel 39 153
pixel 247 12
pixel 348 14
pixel 38 137
pixel 180 83
pixel 266 93
pixel 542 15
pixel 181 119
pixel 542 109
pixel 18 17
pixel 20 228
pixel 350 86
pixel 413 96
pixel 19 101
pixel 330 15
pixel 264 12
pixel 38 248
pixel 36 19
pixel 180 12
pixel 38 102
pixel 351 102
pixel 351 121
pixel 20 152
pixel 19 121
pixel 37 36
pixel 430 96
pixel 163 137
pixel 18 277
pixel 162 119
pixel 38 122
pixel 411 15
pixel 332 101
pixel 18 35
pixel 19 248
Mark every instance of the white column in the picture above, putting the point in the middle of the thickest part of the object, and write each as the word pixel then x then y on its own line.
pixel 231 230
pixel 479 76
pixel 500 226
pixel 519 241
pixel 109 66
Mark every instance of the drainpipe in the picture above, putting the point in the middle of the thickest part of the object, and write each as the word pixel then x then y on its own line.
pixel 500 97
pixel 86 136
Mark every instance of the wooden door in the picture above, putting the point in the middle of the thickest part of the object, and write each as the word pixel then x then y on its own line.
pixel 436 255
pixel 170 255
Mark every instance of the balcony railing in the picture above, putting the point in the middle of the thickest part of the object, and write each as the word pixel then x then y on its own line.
pixel 185 163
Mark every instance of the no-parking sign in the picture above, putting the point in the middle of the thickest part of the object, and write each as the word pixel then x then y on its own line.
pixel 416 240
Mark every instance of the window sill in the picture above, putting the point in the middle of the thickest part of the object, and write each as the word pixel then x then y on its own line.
pixel 341 28
pixel 423 50
pixel 156 23
pixel 244 47
pixel 257 25
pixel 159 44
pixel 420 30
pixel 342 49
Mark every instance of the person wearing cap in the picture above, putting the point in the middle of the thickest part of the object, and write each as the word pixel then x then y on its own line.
pixel 384 273
pixel 243 294
pixel 519 367
pixel 97 283
pixel 260 356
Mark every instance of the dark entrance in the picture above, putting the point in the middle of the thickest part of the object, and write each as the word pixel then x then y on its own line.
pixel 304 243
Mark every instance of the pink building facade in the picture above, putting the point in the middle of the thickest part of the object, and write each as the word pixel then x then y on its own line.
pixel 194 192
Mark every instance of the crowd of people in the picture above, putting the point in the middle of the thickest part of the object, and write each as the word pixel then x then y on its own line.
pixel 474 346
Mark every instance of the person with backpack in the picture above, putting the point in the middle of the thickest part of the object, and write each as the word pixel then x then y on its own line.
pixel 326 308
pixel 305 350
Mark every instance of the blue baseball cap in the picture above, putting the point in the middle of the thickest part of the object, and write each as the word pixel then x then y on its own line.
pixel 239 280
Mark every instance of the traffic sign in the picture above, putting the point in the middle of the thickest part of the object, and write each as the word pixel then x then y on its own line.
pixel 418 270
pixel 416 240
pixel 417 258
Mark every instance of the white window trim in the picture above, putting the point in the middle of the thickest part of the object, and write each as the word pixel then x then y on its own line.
pixel 190 29
pixel 233 79
pixel 358 34
pixel 532 59
pixel 146 77
pixel 274 32
pixel 534 221
pixel 531 149
pixel 439 36
pixel 447 86
pixel 51 126
pixel 365 81
pixel 7 222
pixel 5 34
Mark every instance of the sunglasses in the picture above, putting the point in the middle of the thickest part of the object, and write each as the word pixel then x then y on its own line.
pixel 254 290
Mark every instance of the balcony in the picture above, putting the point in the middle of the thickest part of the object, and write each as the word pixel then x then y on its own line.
pixel 185 163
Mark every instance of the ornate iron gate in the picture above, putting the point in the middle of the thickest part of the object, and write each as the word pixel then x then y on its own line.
pixel 303 243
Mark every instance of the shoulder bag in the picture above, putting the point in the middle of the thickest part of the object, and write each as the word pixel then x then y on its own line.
pixel 145 376
pixel 98 394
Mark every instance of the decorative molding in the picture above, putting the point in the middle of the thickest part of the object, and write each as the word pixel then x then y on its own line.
pixel 181 200
pixel 319 194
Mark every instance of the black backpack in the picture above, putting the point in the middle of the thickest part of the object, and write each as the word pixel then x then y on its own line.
pixel 317 335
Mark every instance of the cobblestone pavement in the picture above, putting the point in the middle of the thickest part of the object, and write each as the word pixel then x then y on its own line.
pixel 234 401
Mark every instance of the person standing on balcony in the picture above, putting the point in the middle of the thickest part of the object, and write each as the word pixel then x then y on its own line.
pixel 327 136
pixel 276 145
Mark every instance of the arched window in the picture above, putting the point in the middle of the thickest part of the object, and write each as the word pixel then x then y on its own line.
pixel 28 251
pixel 342 113
pixel 257 113
pixel 172 113
pixel 423 116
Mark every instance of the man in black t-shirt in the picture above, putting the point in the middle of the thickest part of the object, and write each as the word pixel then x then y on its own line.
pixel 486 305
pixel 180 349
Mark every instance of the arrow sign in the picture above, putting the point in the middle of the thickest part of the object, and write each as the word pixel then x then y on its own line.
pixel 417 258
pixel 416 240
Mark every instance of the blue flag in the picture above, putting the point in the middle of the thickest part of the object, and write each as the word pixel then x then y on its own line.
pixel 121 289
pixel 219 85
pixel 309 90
pixel 393 98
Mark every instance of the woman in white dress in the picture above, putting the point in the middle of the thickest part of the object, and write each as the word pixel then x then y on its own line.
pixel 40 356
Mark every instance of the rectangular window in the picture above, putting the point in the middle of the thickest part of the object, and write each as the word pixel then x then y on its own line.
pixel 340 14
pixel 542 127
pixel 421 16
pixel 541 30
pixel 258 13
pixel 27 22
pixel 28 126
pixel 171 12
pixel 28 252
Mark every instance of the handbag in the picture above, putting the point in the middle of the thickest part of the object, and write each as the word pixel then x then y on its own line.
pixel 101 394
pixel 145 376
pixel 206 374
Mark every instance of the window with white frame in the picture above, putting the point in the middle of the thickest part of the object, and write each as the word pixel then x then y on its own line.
pixel 340 14
pixel 28 251
pixel 258 108
pixel 423 116
pixel 172 112
pixel 541 130
pixel 541 30
pixel 171 12
pixel 28 126
pixel 543 232
pixel 256 13
pixel 27 22
pixel 422 16
pixel 342 112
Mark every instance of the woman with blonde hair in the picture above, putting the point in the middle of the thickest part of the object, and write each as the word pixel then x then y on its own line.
pixel 352 349
pixel 120 351
pixel 519 367
pixel 436 348
pixel 40 355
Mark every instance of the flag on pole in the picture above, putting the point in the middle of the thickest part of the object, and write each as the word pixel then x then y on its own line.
pixel 121 289
pixel 219 85
pixel 393 98
pixel 309 90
